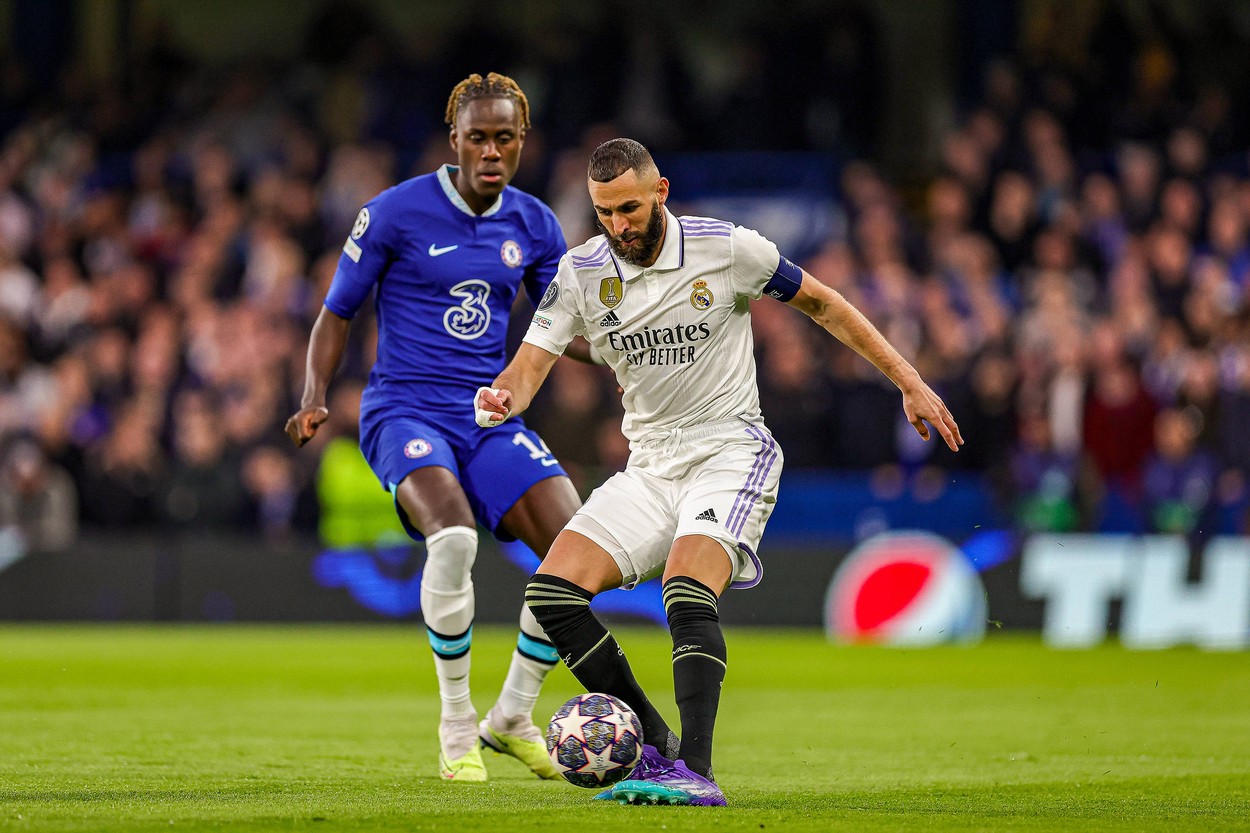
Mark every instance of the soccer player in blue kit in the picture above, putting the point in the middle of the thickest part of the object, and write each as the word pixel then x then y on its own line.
pixel 447 253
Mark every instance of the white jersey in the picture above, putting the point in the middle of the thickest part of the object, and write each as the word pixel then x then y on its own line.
pixel 677 333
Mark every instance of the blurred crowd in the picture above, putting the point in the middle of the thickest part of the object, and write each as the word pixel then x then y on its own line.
pixel 1074 279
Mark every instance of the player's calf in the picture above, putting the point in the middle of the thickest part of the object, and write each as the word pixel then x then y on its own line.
pixel 699 663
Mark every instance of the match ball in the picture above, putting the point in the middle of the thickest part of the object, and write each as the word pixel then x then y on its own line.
pixel 594 740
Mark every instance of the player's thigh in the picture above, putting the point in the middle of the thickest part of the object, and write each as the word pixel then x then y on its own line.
pixel 541 513
pixel 504 464
pixel 418 464
pixel 730 496
pixel 432 499
pixel 703 559
pixel 631 518
pixel 576 558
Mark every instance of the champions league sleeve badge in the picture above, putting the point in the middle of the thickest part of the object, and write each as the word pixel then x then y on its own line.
pixel 550 296
pixel 361 225
pixel 510 253
pixel 351 247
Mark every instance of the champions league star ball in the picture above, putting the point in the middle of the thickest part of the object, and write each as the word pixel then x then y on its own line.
pixel 594 740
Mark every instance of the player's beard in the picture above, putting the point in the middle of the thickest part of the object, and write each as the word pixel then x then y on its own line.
pixel 648 240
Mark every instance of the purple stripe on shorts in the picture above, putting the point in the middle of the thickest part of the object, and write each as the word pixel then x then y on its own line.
pixel 769 458
pixel 759 570
pixel 750 491
pixel 747 486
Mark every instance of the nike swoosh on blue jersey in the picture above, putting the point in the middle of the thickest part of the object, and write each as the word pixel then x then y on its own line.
pixel 435 251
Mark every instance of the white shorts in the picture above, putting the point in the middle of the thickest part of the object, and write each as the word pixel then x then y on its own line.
pixel 718 480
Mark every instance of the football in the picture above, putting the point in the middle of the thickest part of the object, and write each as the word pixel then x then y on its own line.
pixel 594 740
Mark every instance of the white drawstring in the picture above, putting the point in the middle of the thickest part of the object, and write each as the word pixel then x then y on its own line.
pixel 673 443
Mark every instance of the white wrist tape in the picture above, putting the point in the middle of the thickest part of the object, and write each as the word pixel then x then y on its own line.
pixel 483 416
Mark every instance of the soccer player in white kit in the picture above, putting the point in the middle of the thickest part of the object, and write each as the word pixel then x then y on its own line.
pixel 665 302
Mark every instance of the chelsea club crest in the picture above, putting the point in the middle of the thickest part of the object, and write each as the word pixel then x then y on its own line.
pixel 510 252
pixel 417 448
pixel 701 298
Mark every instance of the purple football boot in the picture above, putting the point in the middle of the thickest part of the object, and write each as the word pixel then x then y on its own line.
pixel 665 782
pixel 650 765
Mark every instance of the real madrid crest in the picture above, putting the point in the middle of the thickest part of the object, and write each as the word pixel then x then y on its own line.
pixel 510 253
pixel 701 298
pixel 611 291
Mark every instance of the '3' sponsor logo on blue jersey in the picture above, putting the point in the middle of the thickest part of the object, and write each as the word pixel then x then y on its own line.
pixel 472 317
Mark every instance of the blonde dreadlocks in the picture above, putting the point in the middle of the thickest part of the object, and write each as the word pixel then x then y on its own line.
pixel 493 85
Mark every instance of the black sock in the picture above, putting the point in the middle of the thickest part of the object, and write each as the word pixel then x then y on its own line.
pixel 698 666
pixel 591 653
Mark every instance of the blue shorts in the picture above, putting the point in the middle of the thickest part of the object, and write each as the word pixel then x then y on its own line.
pixel 495 466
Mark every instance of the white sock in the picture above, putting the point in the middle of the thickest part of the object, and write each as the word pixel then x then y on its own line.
pixel 533 658
pixel 447 606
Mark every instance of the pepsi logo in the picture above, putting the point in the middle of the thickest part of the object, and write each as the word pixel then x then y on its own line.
pixel 905 588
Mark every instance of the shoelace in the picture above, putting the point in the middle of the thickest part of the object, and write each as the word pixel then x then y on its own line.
pixel 650 769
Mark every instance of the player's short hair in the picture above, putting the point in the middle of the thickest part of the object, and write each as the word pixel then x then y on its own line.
pixel 493 85
pixel 616 156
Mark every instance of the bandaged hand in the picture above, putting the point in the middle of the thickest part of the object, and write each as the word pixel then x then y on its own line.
pixel 489 408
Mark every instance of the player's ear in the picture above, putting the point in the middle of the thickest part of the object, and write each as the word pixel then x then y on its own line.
pixel 661 190
pixel 453 139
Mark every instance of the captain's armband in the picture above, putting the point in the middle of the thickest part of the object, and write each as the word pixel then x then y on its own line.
pixel 785 282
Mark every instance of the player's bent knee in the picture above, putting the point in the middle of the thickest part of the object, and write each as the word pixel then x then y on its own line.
pixel 450 554
pixel 580 560
pixel 709 560
pixel 557 603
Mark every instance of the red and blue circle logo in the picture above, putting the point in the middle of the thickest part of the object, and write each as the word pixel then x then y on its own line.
pixel 906 588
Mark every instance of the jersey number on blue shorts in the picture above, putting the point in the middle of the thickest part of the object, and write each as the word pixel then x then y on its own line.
pixel 537 452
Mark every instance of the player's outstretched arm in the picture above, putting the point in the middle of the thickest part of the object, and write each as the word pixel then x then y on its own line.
pixel 325 350
pixel 841 319
pixel 513 390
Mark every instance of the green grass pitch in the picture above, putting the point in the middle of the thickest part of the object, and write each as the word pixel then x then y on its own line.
pixel 333 728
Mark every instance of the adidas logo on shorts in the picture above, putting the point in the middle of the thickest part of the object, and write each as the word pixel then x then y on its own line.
pixel 707 515
pixel 609 320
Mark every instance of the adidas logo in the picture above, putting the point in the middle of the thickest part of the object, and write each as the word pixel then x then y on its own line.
pixel 707 515
pixel 610 320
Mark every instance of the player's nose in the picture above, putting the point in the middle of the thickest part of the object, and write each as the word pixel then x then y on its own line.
pixel 620 224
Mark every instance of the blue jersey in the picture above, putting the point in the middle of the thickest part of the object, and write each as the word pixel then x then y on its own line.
pixel 446 279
